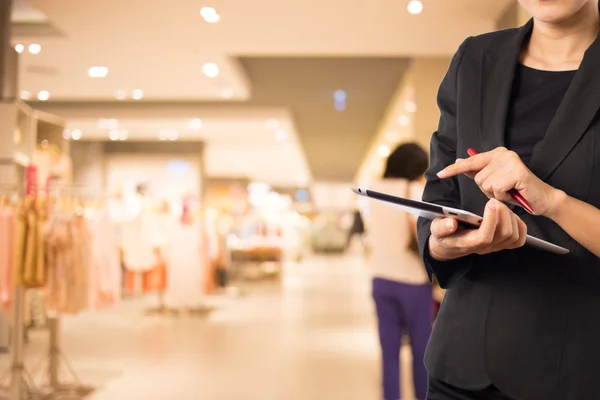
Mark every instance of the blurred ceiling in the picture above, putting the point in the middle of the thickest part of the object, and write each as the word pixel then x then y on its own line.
pixel 287 56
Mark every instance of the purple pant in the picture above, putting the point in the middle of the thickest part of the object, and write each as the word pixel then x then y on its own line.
pixel 403 308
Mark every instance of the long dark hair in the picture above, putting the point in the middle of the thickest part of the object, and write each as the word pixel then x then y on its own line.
pixel 408 161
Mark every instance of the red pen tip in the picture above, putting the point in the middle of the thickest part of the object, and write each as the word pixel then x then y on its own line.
pixel 471 151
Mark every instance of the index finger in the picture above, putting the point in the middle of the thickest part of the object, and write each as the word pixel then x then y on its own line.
pixel 472 164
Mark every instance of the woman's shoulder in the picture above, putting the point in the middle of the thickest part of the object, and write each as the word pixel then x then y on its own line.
pixel 490 40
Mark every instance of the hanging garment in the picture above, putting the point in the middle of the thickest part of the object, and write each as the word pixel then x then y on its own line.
pixel 104 271
pixel 20 243
pixel 7 255
pixel 139 240
pixel 31 247
pixel 40 262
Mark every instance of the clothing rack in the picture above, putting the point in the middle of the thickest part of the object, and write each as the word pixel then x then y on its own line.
pixel 55 359
pixel 21 384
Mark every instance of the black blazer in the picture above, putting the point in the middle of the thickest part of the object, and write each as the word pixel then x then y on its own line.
pixel 524 320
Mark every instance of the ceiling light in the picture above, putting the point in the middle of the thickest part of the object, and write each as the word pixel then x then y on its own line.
pixel 273 124
pixel 393 136
pixel 25 95
pixel 35 48
pixel 137 94
pixel 113 135
pixel 339 95
pixel 281 135
pixel 123 134
pixel 19 48
pixel 383 151
pixel 210 15
pixel 196 124
pixel 66 134
pixel 43 95
pixel 104 123
pixel 98 72
pixel 415 7
pixel 339 100
pixel 168 134
pixel 411 106
pixel 121 95
pixel 227 93
pixel 211 70
pixel 76 134
pixel 403 120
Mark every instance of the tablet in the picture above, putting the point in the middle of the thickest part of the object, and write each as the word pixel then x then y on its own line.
pixel 432 211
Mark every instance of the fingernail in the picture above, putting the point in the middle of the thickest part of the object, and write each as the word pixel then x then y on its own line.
pixel 441 173
pixel 492 204
pixel 459 160
pixel 449 224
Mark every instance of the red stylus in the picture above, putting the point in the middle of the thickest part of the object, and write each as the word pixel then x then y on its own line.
pixel 513 192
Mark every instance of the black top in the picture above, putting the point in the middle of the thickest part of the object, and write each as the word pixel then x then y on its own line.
pixel 534 99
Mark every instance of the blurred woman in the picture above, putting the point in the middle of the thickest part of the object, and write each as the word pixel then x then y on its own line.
pixel 401 291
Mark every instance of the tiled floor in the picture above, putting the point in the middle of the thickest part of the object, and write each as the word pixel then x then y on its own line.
pixel 311 336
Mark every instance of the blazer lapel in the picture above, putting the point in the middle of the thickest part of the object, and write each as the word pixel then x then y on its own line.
pixel 573 117
pixel 499 67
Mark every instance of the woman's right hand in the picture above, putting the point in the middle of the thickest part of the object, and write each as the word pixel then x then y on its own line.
pixel 501 229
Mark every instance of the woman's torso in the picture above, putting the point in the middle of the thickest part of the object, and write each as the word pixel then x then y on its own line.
pixel 390 234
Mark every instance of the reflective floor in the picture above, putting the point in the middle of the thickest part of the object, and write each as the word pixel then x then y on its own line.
pixel 310 336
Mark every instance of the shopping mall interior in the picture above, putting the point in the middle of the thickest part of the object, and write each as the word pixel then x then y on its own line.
pixel 178 174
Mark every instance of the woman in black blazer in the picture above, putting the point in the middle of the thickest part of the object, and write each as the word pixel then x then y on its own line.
pixel 519 323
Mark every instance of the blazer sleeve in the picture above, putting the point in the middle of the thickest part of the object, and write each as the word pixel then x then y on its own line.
pixel 444 192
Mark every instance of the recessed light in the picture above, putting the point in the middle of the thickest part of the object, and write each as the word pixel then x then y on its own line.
pixel 339 100
pixel 393 136
pixel 44 144
pixel 43 95
pixel 383 151
pixel 196 124
pixel 104 123
pixel 19 48
pixel 339 95
pixel 168 134
pixel 123 135
pixel 226 93
pixel 121 95
pixel 403 120
pixel 66 134
pixel 281 135
pixel 113 135
pixel 137 94
pixel 273 124
pixel 415 7
pixel 411 106
pixel 76 134
pixel 211 70
pixel 98 71
pixel 210 15
pixel 35 48
pixel 25 95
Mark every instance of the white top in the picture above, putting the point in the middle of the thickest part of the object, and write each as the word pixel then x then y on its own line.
pixel 389 232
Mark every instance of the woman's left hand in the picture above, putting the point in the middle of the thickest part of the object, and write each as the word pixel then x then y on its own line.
pixel 500 170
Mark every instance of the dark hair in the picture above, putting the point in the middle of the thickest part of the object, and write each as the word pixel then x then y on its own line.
pixel 407 161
